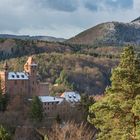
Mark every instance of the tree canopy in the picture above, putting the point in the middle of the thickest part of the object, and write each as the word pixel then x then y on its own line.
pixel 117 114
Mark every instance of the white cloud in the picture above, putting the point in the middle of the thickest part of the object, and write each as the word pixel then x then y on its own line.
pixel 38 17
pixel 137 5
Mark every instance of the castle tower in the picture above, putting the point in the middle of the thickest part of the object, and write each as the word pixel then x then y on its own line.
pixel 4 78
pixel 30 67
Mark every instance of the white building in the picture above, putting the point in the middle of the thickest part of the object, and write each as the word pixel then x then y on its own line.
pixel 61 106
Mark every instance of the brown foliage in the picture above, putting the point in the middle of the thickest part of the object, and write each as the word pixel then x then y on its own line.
pixel 17 112
pixel 71 131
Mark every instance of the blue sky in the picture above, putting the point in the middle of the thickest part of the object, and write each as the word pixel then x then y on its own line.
pixel 62 18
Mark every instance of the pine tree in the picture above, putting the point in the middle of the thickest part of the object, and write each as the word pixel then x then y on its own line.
pixel 36 112
pixel 117 114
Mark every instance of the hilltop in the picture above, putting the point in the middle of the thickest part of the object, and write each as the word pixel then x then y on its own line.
pixel 136 21
pixel 110 33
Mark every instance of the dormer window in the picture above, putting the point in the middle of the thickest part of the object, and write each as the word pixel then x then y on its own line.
pixel 74 96
pixel 69 96
pixel 22 76
pixel 17 76
pixel 13 76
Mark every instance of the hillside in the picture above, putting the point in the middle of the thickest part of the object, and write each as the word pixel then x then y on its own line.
pixel 110 33
pixel 10 48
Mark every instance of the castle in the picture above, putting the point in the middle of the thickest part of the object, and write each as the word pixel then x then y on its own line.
pixel 25 82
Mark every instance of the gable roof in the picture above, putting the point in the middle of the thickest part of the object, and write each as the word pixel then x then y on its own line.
pixel 72 97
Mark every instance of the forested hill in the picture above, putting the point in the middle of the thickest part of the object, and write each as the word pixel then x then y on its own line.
pixel 87 69
pixel 83 73
pixel 27 37
pixel 11 48
pixel 84 68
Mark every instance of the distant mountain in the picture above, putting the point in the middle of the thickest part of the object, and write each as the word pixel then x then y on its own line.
pixel 110 33
pixel 27 37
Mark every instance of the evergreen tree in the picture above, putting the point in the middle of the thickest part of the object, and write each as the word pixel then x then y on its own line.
pixel 4 135
pixel 36 112
pixel 3 102
pixel 117 114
